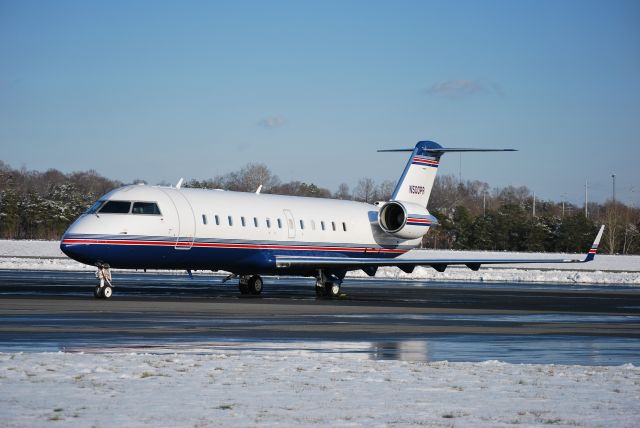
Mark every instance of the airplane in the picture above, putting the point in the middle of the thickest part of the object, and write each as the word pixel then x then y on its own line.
pixel 254 234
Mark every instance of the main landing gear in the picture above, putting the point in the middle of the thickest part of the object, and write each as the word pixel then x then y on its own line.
pixel 327 285
pixel 104 290
pixel 250 284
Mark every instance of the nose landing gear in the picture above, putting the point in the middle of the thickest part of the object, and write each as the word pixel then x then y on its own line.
pixel 102 290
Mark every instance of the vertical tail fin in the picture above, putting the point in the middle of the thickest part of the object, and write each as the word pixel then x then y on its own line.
pixel 419 174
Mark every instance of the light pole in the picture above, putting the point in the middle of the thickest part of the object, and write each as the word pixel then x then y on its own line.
pixel 613 176
pixel 484 204
pixel 533 211
pixel 586 200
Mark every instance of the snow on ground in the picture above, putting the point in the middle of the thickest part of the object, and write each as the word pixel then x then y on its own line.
pixel 28 248
pixel 606 269
pixel 287 388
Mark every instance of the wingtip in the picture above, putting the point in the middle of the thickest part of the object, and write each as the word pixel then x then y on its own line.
pixel 594 247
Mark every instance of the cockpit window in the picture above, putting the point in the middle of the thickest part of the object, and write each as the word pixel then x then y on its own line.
pixel 95 207
pixel 115 207
pixel 145 208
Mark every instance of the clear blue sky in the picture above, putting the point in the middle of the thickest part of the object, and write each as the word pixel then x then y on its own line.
pixel 162 90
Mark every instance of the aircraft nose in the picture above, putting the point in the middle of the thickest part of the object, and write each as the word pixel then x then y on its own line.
pixel 76 251
pixel 67 248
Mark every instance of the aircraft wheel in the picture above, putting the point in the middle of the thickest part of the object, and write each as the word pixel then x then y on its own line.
pixel 320 291
pixel 244 288
pixel 97 292
pixel 107 292
pixel 255 285
pixel 332 289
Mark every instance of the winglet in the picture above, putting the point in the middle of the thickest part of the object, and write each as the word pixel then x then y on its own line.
pixel 594 248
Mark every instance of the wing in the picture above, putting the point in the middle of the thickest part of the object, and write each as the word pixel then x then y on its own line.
pixel 369 265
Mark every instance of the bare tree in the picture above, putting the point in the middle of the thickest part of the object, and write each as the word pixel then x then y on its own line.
pixel 342 192
pixel 297 188
pixel 365 190
pixel 611 221
pixel 514 195
pixel 385 190
pixel 249 178
pixel 445 195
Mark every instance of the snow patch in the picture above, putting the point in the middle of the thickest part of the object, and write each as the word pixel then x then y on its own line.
pixel 299 387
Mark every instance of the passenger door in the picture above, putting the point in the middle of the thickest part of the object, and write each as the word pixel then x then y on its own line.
pixel 186 219
pixel 291 225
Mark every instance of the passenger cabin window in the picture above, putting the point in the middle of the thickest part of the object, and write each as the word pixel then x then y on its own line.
pixel 268 223
pixel 255 221
pixel 204 219
pixel 148 208
pixel 333 225
pixel 279 224
pixel 344 226
pixel 217 220
pixel 116 207
pixel 313 225
pixel 301 225
pixel 230 220
pixel 243 222
pixel 322 225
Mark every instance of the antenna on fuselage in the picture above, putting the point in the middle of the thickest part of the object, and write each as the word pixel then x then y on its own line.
pixel 179 185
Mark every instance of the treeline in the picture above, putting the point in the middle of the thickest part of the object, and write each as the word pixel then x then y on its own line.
pixel 472 215
pixel 41 205
pixel 254 175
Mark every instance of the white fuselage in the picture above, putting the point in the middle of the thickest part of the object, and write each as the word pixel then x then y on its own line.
pixel 235 231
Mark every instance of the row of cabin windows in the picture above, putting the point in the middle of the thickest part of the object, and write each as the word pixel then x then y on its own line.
pixel 151 208
pixel 256 223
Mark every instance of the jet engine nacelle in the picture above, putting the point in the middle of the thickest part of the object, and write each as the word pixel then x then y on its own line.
pixel 404 220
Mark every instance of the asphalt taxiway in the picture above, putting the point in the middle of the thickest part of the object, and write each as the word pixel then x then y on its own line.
pixel 42 310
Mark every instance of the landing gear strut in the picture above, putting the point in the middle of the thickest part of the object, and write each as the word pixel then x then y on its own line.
pixel 250 284
pixel 327 285
pixel 102 290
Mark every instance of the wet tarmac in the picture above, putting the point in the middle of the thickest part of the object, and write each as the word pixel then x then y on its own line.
pixel 417 320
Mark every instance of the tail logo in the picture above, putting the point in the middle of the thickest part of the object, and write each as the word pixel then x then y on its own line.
pixel 425 161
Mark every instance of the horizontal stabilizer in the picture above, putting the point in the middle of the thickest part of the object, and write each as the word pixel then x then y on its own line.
pixel 442 150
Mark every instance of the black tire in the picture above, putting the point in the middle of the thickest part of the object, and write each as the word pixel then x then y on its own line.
pixel 320 291
pixel 332 289
pixel 255 285
pixel 244 288
pixel 97 292
pixel 107 292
